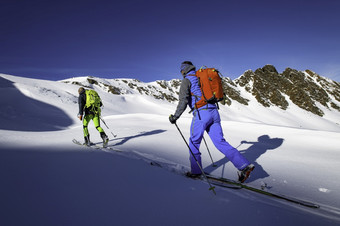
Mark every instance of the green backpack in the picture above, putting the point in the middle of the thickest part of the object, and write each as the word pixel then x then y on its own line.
pixel 92 100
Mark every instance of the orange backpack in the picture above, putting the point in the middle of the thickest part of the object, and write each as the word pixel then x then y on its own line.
pixel 211 86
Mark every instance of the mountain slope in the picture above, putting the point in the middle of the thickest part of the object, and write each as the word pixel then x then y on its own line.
pixel 263 96
pixel 305 89
pixel 47 180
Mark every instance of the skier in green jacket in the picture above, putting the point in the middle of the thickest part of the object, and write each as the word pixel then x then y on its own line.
pixel 90 112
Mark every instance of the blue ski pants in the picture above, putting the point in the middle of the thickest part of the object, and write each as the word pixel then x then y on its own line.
pixel 209 120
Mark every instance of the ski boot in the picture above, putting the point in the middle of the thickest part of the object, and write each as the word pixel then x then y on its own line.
pixel 87 141
pixel 244 174
pixel 193 176
pixel 105 139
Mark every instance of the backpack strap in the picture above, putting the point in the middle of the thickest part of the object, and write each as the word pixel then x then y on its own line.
pixel 202 101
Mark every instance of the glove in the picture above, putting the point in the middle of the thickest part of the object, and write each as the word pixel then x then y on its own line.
pixel 172 119
pixel 80 117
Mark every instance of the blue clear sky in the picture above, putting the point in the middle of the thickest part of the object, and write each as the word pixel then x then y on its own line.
pixel 147 40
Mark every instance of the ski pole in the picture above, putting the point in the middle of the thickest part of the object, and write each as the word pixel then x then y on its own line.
pixel 242 142
pixel 205 176
pixel 214 165
pixel 114 135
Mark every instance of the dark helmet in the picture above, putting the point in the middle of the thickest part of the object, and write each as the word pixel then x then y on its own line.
pixel 80 90
pixel 187 66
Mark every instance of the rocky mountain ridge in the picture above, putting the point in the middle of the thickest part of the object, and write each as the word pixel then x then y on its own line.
pixel 305 89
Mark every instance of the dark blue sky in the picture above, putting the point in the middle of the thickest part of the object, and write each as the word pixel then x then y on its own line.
pixel 148 40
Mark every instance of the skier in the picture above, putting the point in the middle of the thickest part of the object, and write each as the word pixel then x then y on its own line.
pixel 205 118
pixel 90 113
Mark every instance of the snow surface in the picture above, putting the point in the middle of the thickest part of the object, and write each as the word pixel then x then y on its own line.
pixel 48 180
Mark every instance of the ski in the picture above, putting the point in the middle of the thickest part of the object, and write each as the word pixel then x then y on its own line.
pixel 95 146
pixel 224 181
pixel 228 183
pixel 79 143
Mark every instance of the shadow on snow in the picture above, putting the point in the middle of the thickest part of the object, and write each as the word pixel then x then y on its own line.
pixel 142 134
pixel 21 113
pixel 263 144
pixel 65 187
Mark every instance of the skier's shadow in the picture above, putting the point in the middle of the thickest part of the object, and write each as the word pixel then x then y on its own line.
pixel 126 139
pixel 263 144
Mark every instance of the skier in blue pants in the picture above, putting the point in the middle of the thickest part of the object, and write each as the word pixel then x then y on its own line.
pixel 204 119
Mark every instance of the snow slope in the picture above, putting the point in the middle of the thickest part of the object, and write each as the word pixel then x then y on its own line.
pixel 48 180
